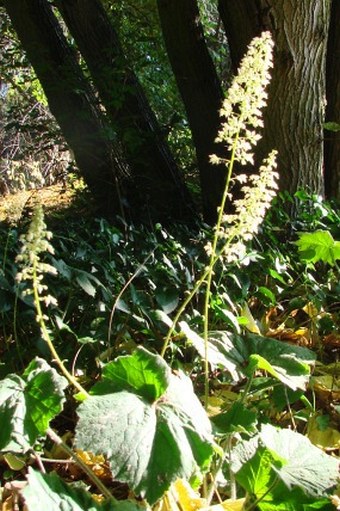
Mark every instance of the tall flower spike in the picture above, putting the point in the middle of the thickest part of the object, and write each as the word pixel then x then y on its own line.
pixel 246 98
pixel 242 111
pixel 34 243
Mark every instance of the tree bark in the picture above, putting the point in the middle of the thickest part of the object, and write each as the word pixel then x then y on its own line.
pixel 332 139
pixel 241 23
pixel 153 167
pixel 200 90
pixel 70 98
pixel 295 113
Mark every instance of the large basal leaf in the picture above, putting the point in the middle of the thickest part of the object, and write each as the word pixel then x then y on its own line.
pixel 256 474
pixel 142 373
pixel 241 355
pixel 149 443
pixel 282 466
pixel 28 404
pixel 49 492
pixel 306 467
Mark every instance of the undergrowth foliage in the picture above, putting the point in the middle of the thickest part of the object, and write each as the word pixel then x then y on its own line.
pixel 129 319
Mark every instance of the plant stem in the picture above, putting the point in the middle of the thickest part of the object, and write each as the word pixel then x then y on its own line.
pixel 184 305
pixel 210 271
pixel 92 476
pixel 47 338
pixel 253 505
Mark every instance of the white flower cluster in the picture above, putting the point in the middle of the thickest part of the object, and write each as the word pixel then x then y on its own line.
pixel 242 110
pixel 250 210
pixel 246 97
pixel 34 243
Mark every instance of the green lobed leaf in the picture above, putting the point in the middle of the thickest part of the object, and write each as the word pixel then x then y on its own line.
pixel 143 373
pixel 318 246
pixel 294 500
pixel 256 474
pixel 240 355
pixel 149 444
pixel 28 404
pixel 282 466
pixel 307 467
pixel 49 491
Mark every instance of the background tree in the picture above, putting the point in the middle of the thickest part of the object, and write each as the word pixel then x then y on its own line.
pixel 332 146
pixel 296 107
pixel 87 130
pixel 123 154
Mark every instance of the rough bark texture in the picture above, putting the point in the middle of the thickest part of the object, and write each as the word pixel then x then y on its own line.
pixel 295 112
pixel 152 165
pixel 332 139
pixel 70 99
pixel 200 90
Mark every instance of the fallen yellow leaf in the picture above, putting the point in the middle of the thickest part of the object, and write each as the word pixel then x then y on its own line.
pixel 189 500
pixel 227 505
pixel 328 438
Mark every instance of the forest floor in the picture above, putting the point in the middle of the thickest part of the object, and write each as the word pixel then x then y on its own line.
pixel 59 201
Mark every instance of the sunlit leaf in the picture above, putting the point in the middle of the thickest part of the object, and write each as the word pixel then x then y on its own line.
pixel 154 432
pixel 251 325
pixel 318 246
pixel 284 470
pixel 14 462
pixel 305 466
pixel 240 355
pixel 142 373
pixel 27 405
pixel 186 497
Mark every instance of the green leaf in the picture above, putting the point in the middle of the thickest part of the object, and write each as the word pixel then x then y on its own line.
pixel 318 246
pixel 82 278
pixel 237 419
pixel 256 475
pixel 294 500
pixel 150 439
pixel 306 466
pixel 331 126
pixel 28 404
pixel 240 355
pixel 277 276
pixel 268 294
pixel 167 299
pixel 48 491
pixel 142 372
pixel 284 472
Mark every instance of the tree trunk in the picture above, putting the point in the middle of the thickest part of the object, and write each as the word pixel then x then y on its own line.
pixel 332 139
pixel 294 116
pixel 153 167
pixel 70 99
pixel 241 23
pixel 200 90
